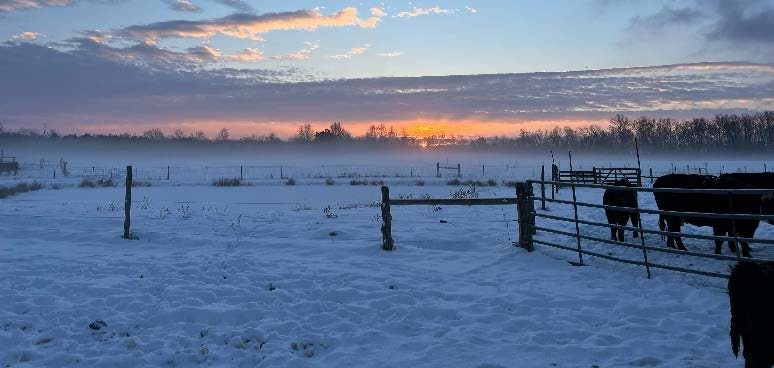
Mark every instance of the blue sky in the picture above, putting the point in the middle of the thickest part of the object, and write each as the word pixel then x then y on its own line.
pixel 320 41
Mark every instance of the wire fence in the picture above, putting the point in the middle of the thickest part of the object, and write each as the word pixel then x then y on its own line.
pixel 185 174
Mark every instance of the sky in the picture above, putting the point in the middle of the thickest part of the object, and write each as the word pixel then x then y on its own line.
pixel 470 67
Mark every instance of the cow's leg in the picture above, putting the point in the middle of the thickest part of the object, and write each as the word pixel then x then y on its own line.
pixel 611 220
pixel 635 223
pixel 746 249
pixel 674 226
pixel 621 231
pixel 717 231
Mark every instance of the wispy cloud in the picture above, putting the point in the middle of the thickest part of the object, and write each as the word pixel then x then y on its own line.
pixel 390 54
pixel 238 5
pixel 415 12
pixel 666 16
pixel 352 52
pixel 302 54
pixel 248 26
pixel 183 5
pixel 11 5
pixel 25 37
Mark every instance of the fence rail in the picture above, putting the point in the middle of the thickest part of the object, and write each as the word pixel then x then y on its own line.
pixel 639 228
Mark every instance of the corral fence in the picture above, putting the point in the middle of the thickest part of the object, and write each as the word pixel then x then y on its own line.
pixel 597 175
pixel 527 239
pixel 531 225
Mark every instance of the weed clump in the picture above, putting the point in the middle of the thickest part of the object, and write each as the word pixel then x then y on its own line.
pixel 105 183
pixel 330 181
pixel 227 182
pixel 20 188
pixel 358 182
pixel 471 192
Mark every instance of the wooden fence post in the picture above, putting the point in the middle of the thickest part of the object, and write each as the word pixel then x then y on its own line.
pixel 167 172
pixel 554 178
pixel 483 171
pixel 437 169
pixel 459 171
pixel 651 175
pixel 241 173
pixel 128 203
pixel 282 173
pixel 524 216
pixel 387 241
pixel 543 187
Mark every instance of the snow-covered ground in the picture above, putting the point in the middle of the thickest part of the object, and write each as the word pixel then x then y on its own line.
pixel 260 276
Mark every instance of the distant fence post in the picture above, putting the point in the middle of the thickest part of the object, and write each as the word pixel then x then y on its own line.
pixel 167 172
pixel 387 241
pixel 651 175
pixel 437 169
pixel 241 172
pixel 483 171
pixel 525 218
pixel 459 171
pixel 543 187
pixel 128 203
pixel 282 174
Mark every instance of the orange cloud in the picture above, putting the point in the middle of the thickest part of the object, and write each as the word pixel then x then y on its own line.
pixel 249 26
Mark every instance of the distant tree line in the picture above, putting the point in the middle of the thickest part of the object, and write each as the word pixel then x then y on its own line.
pixel 722 133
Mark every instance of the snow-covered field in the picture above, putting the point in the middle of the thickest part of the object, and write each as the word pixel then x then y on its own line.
pixel 260 276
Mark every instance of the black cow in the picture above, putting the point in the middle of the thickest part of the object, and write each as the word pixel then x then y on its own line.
pixel 707 203
pixel 752 316
pixel 757 181
pixel 620 198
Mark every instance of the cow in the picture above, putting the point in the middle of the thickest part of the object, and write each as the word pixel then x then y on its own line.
pixel 620 198
pixel 758 181
pixel 711 203
pixel 752 319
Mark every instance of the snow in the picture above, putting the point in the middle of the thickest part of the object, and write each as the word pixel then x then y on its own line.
pixel 259 276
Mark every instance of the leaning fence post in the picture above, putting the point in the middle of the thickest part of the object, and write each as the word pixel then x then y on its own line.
pixel 387 241
pixel 543 187
pixel 128 203
pixel 642 235
pixel 575 209
pixel 524 216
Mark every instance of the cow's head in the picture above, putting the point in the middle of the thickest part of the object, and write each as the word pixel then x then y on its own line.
pixel 767 206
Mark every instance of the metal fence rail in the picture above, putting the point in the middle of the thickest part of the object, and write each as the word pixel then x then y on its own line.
pixel 639 228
